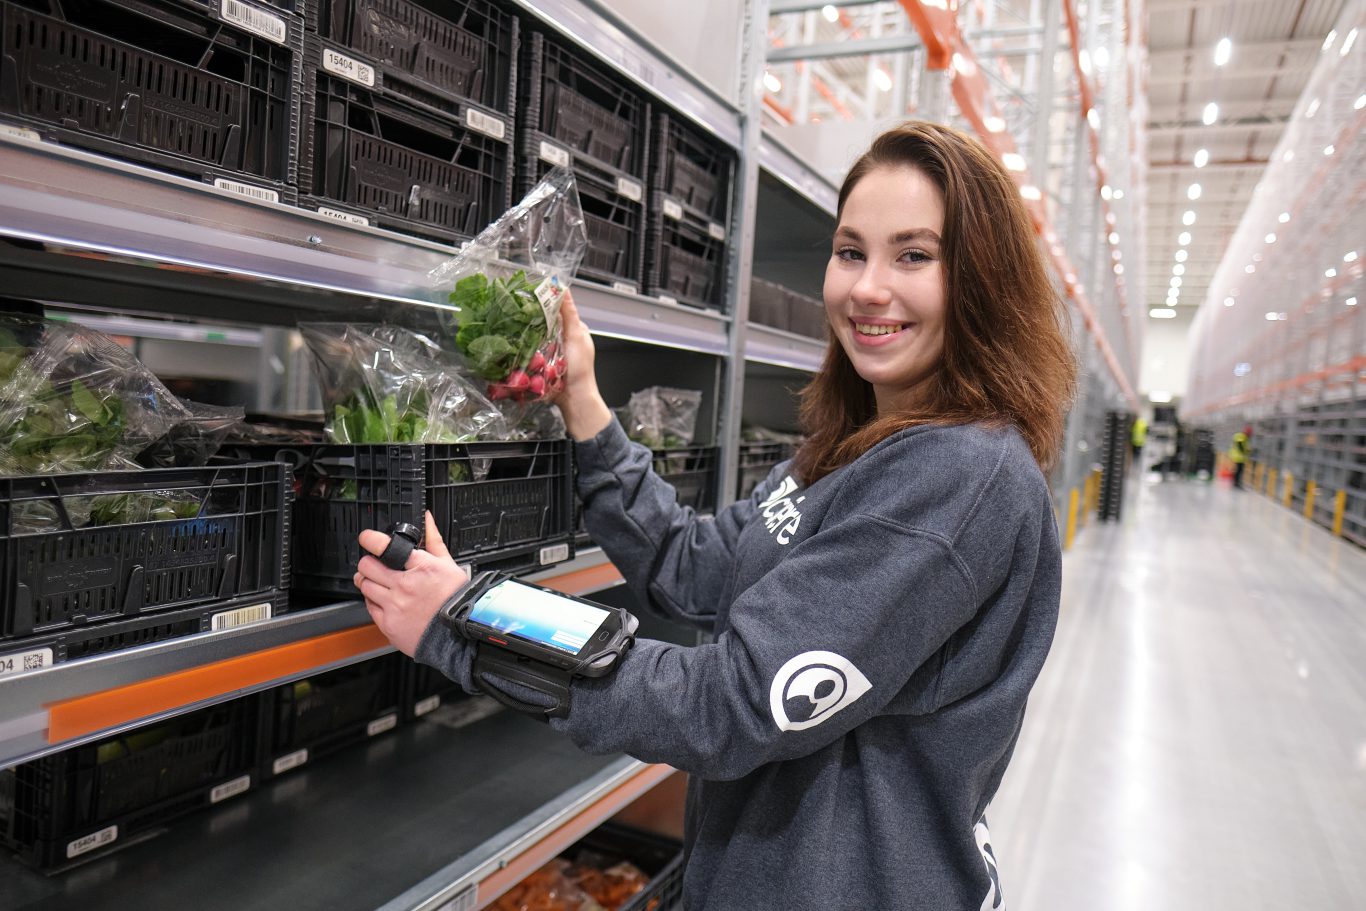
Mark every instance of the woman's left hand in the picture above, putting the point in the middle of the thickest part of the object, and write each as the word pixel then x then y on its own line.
pixel 403 602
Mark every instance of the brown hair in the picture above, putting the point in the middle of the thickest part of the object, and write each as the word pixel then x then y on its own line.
pixel 1006 358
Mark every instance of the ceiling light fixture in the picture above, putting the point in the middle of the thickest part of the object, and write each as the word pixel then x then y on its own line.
pixel 1283 217
pixel 1193 191
pixel 1201 157
pixel 883 79
pixel 1183 238
pixel 1348 42
pixel 1181 256
pixel 1211 114
pixel 1351 302
pixel 1229 302
pixel 1178 269
pixel 1328 41
pixel 1188 218
pixel 831 14
pixel 772 83
pixel 1329 149
pixel 1271 238
pixel 1249 268
pixel 1114 238
pixel 1222 51
pixel 1330 273
pixel 1350 256
pixel 1162 313
pixel 1013 161
pixel 1029 191
pixel 1312 109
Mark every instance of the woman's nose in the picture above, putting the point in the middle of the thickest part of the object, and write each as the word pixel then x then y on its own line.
pixel 872 288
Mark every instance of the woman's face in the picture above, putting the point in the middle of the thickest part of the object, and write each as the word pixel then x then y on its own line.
pixel 884 284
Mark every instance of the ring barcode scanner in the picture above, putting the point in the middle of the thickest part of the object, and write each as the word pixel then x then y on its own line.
pixel 404 538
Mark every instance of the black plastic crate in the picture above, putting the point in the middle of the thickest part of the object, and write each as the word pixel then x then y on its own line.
pixel 234 541
pixel 310 718
pixel 685 263
pixel 185 86
pixel 614 222
pixel 399 165
pixel 102 638
pixel 806 316
pixel 692 472
pixel 768 304
pixel 583 108
pixel 692 168
pixel 657 856
pixel 501 506
pixel 95 798
pixel 425 689
pixel 444 54
pixel 757 461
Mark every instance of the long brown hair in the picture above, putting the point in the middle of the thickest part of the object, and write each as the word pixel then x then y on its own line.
pixel 1006 358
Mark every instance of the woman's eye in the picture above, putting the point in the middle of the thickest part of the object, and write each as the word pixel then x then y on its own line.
pixel 916 256
pixel 848 254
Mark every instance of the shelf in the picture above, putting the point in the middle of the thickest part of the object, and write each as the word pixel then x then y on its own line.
pixel 45 711
pixel 766 345
pixel 783 163
pixel 410 820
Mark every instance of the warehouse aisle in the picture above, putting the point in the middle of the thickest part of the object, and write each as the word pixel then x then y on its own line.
pixel 1198 737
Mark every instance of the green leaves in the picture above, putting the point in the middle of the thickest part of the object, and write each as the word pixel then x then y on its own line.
pixel 501 323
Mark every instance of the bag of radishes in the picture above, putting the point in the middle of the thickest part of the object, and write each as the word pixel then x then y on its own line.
pixel 508 284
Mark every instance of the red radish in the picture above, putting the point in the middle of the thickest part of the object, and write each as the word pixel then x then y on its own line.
pixel 517 381
pixel 497 391
pixel 559 365
pixel 537 363
pixel 551 373
pixel 537 387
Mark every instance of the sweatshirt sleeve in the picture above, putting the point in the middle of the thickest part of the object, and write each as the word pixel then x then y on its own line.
pixel 677 562
pixel 846 623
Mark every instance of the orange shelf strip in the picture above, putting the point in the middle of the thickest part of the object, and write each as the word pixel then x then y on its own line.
pixel 99 711
pixel 585 580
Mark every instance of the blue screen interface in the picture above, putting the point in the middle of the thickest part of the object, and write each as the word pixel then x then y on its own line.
pixel 538 616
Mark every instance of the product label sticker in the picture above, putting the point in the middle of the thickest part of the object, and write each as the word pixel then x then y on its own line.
pixel 231 619
pixel 625 287
pixel 380 725
pixel 91 842
pixel 555 553
pixel 290 761
pixel 230 789
pixel 425 706
pixel 630 189
pixel 672 210
pixel 716 231
pixel 348 68
pixel 19 662
pixel 347 217
pixel 554 154
pixel 246 189
pixel 256 21
pixel 666 299
pixel 19 133
pixel 486 124
pixel 550 292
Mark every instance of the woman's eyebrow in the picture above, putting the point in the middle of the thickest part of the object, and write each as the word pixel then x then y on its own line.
pixel 902 237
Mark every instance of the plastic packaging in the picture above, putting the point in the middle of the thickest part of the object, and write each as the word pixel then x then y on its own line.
pixel 548 889
pixel 661 417
pixel 386 384
pixel 507 286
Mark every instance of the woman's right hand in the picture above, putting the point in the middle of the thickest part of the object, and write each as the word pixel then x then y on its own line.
pixel 585 412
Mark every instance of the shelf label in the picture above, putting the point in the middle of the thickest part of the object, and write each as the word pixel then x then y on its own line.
pixel 348 68
pixel 230 789
pixel 673 210
pixel 19 133
pixel 666 299
pixel 19 662
pixel 256 21
pixel 485 123
pixel 231 619
pixel 630 189
pixel 716 231
pixel 466 900
pixel 344 216
pixel 380 725
pixel 246 189
pixel 555 553
pixel 92 841
pixel 426 706
pixel 554 154
pixel 290 761
pixel 625 287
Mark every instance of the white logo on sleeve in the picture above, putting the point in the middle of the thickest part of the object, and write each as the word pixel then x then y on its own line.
pixel 780 512
pixel 812 687
pixel 995 900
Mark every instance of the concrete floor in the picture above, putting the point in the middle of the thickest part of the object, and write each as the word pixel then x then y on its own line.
pixel 1198 737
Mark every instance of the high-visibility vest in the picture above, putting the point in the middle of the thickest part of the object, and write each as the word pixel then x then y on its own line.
pixel 1238 451
pixel 1140 432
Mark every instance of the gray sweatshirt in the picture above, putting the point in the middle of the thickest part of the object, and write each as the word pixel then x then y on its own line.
pixel 876 637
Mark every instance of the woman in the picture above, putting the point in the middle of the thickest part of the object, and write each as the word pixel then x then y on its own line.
pixel 881 605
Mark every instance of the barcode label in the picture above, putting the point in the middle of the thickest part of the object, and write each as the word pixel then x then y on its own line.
pixel 347 68
pixel 672 210
pixel 344 216
pixel 554 154
pixel 630 189
pixel 489 126
pixel 231 619
pixel 467 900
pixel 19 662
pixel 230 789
pixel 716 231
pixel 290 761
pixel 380 725
pixel 92 841
pixel 666 299
pixel 255 20
pixel 246 189
pixel 625 287
pixel 555 553
pixel 19 133
pixel 423 706
pixel 466 568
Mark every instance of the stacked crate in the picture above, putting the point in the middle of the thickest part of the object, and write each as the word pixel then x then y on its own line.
pixel 779 307
pixel 576 113
pixel 407 114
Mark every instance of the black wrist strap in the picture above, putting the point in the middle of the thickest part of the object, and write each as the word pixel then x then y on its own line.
pixel 550 682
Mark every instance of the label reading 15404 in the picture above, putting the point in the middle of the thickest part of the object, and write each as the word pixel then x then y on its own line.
pixel 348 68
pixel 91 842
pixel 19 662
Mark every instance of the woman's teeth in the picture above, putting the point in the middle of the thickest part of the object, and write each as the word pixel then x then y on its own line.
pixel 877 330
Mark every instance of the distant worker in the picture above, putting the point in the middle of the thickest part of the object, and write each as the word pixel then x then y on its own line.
pixel 1138 436
pixel 1238 454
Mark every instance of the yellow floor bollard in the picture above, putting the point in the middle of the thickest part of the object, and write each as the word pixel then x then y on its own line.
pixel 1310 488
pixel 1071 519
pixel 1339 510
pixel 1270 488
pixel 1288 494
pixel 1256 475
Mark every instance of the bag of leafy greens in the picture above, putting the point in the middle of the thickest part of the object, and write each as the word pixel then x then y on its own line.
pixel 387 384
pixel 507 286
